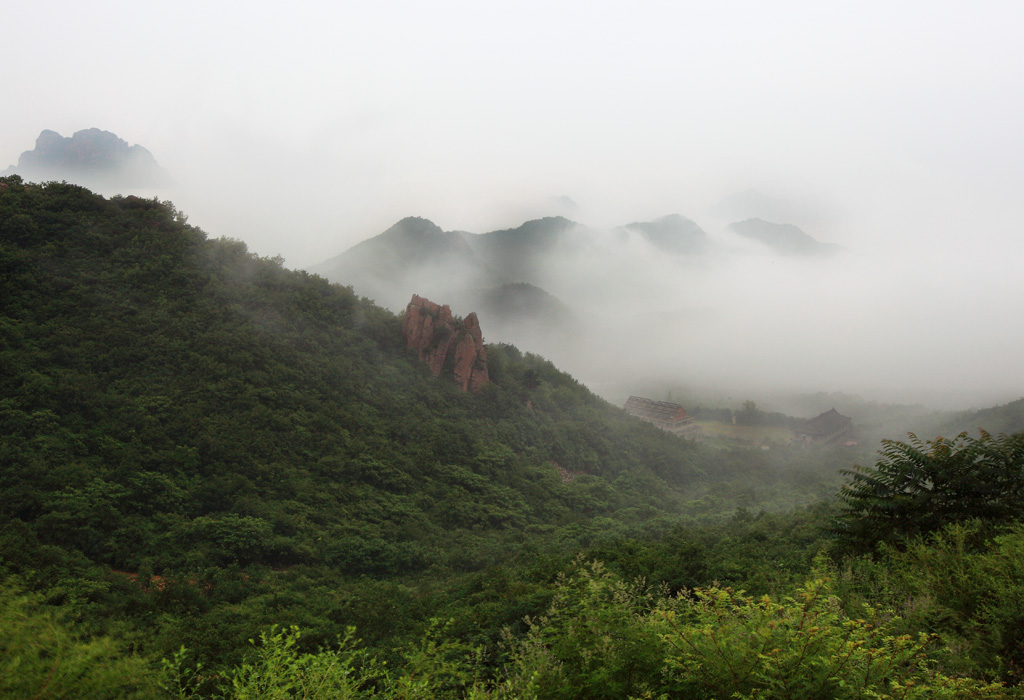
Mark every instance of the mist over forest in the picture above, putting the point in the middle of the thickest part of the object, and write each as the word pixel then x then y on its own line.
pixel 729 315
pixel 737 302
pixel 211 461
pixel 888 131
pixel 496 351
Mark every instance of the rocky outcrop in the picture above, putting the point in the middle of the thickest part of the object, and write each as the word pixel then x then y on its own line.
pixel 442 341
pixel 422 318
pixel 470 356
pixel 90 157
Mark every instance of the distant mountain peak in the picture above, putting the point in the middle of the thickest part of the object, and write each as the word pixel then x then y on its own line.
pixel 549 220
pixel 673 233
pixel 672 219
pixel 415 225
pixel 92 157
pixel 553 224
pixel 786 239
pixel 419 238
pixel 806 210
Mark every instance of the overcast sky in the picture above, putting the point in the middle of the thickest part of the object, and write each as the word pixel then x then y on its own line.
pixel 303 128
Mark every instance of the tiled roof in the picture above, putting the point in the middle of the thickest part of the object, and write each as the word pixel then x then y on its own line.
pixel 829 422
pixel 655 410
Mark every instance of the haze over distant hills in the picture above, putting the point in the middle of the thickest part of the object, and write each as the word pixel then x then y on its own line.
pixel 589 298
pixel 415 253
pixel 786 239
pixel 673 234
pixel 807 211
pixel 90 157
pixel 539 274
pixel 752 309
pixel 198 443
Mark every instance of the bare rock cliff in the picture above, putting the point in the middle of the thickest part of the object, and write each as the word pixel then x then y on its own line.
pixel 442 341
pixel 470 356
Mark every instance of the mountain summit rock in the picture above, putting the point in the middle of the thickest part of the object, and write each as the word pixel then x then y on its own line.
pixel 90 157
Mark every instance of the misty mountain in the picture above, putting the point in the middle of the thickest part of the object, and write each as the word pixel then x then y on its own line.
pixel 521 299
pixel 519 312
pixel 258 394
pixel 90 157
pixel 522 253
pixel 413 256
pixel 175 404
pixel 673 234
pixel 416 255
pixel 495 274
pixel 806 211
pixel 1005 418
pixel 199 444
pixel 410 242
pixel 625 301
pixel 785 239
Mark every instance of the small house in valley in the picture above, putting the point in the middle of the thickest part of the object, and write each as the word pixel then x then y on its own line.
pixel 831 428
pixel 668 416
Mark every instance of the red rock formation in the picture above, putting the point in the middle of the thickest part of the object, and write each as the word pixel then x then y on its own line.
pixel 431 330
pixel 428 328
pixel 470 356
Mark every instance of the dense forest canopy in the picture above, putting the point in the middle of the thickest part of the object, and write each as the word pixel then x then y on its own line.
pixel 200 447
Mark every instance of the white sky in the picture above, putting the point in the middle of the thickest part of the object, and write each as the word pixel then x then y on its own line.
pixel 303 128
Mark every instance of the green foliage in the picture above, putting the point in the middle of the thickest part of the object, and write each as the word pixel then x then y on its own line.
pixel 918 486
pixel 278 670
pixel 231 538
pixel 591 643
pixel 724 644
pixel 201 420
pixel 970 591
pixel 749 415
pixel 604 638
pixel 600 638
pixel 40 657
pixel 197 444
pixel 762 552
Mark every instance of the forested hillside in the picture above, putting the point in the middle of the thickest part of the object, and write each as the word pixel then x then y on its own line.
pixel 198 444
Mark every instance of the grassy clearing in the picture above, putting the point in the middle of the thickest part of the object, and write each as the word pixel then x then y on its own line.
pixel 756 434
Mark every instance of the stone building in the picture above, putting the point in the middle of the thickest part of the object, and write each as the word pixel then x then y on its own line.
pixel 668 416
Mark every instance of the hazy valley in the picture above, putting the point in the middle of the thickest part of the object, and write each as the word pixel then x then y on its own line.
pixel 753 310
pixel 512 351
pixel 202 447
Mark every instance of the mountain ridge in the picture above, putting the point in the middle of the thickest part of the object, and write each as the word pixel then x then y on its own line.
pixel 571 272
pixel 785 239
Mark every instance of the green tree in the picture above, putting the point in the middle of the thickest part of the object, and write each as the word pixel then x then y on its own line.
pixel 749 415
pixel 919 486
pixel 723 644
pixel 969 590
pixel 593 642
pixel 40 657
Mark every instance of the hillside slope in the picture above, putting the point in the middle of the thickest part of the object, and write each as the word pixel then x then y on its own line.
pixel 154 375
pixel 197 442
